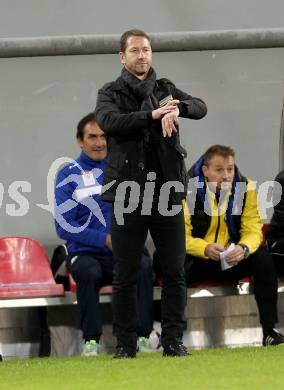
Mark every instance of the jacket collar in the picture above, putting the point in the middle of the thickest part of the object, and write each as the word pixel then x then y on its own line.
pixel 83 158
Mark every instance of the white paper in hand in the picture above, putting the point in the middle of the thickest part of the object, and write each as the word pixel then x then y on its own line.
pixel 223 258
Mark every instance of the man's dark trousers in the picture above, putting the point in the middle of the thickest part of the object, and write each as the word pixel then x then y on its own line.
pixel 259 265
pixel 128 240
pixel 91 272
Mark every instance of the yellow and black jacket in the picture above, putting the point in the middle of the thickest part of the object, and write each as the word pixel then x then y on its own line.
pixel 235 218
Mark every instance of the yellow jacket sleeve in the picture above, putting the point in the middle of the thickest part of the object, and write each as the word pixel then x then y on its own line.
pixel 251 225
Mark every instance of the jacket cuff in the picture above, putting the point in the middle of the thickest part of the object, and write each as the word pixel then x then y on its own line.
pixel 248 244
pixel 149 115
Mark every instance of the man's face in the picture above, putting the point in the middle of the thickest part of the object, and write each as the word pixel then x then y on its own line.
pixel 220 170
pixel 94 142
pixel 137 57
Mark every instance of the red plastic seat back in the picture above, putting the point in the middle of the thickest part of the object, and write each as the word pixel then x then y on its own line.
pixel 25 270
pixel 23 260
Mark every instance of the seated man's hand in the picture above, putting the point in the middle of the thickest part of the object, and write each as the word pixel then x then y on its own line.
pixel 213 251
pixel 108 242
pixel 236 255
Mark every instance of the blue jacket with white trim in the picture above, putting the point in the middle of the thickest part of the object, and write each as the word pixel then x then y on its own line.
pixel 82 218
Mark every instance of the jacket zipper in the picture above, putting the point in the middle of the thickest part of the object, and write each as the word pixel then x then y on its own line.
pixel 218 224
pixel 218 227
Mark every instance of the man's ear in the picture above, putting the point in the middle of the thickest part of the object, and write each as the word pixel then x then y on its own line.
pixel 204 170
pixel 80 142
pixel 122 57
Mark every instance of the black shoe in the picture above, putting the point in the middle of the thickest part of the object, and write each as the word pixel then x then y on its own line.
pixel 121 353
pixel 177 349
pixel 273 338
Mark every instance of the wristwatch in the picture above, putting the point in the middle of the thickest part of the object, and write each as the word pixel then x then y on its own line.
pixel 246 250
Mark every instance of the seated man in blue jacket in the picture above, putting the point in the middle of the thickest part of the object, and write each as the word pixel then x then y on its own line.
pixel 82 219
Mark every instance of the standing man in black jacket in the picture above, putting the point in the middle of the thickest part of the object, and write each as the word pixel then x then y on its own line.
pixel 140 116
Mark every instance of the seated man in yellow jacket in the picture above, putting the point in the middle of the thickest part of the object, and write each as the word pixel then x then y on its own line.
pixel 224 233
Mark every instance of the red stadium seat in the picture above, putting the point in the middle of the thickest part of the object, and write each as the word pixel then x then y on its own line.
pixel 25 271
pixel 72 284
pixel 264 232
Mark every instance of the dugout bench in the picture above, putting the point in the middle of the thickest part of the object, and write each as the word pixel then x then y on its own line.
pixel 26 283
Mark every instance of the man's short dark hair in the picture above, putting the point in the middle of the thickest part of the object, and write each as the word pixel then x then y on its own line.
pixel 131 33
pixel 83 122
pixel 220 150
